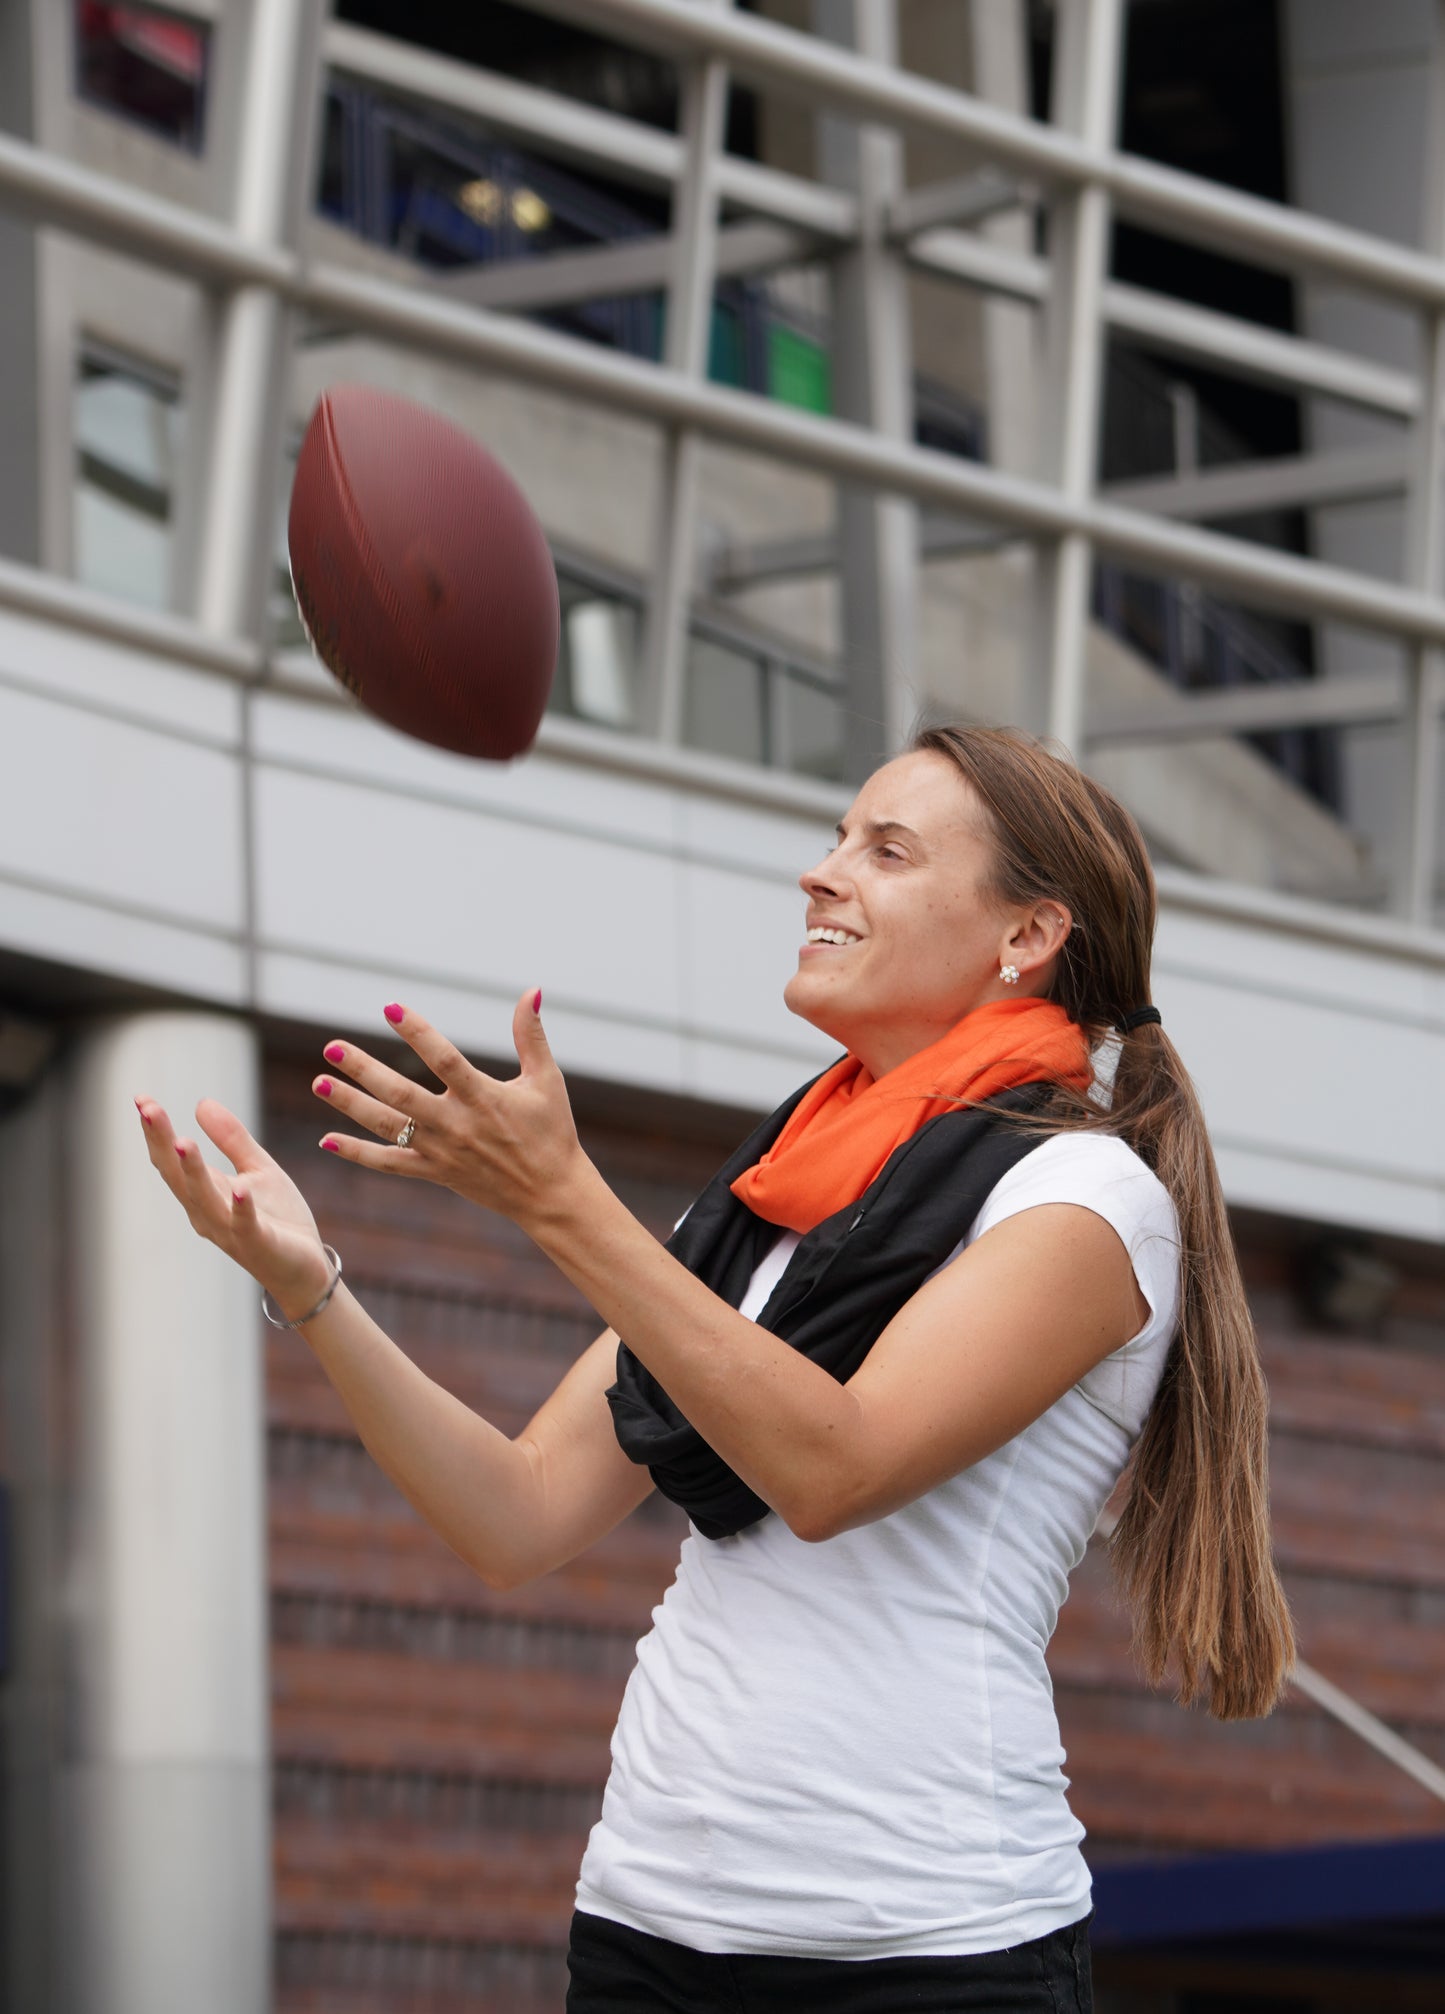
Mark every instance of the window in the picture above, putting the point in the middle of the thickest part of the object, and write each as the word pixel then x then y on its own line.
pixel 597 661
pixel 128 424
pixel 147 65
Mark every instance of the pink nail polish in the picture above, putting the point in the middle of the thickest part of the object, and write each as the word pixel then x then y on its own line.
pixel 237 1197
pixel 323 1085
pixel 394 1014
pixel 334 1053
pixel 145 1118
pixel 180 1152
pixel 331 1146
pixel 537 1001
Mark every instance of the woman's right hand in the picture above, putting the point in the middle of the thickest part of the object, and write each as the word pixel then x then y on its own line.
pixel 257 1216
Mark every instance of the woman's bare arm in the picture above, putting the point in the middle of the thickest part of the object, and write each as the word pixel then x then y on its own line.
pixel 976 1354
pixel 512 1509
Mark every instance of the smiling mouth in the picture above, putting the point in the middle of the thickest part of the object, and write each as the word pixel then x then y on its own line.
pixel 829 934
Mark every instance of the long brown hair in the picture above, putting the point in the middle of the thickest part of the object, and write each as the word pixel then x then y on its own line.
pixel 1192 1545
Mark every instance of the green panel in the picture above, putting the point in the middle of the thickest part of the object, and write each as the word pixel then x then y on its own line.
pixel 799 372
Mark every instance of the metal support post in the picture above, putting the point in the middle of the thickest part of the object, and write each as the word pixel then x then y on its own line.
pixel 999 44
pixel 872 384
pixel 243 378
pixel 1419 838
pixel 1425 550
pixel 1087 60
pixel 689 329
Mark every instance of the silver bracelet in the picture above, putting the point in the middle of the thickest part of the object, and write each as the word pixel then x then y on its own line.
pixel 279 1321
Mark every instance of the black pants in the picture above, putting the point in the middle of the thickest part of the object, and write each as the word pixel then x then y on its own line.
pixel 619 1971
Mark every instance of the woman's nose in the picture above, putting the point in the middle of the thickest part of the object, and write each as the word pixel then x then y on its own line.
pixel 821 880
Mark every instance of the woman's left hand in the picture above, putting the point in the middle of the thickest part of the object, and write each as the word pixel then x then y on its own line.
pixel 510 1146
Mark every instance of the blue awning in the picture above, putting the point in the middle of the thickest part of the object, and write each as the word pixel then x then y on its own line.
pixel 1396 1881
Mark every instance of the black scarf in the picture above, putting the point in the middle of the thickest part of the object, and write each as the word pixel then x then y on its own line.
pixel 843 1285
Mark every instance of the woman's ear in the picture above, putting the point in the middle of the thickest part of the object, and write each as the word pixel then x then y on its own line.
pixel 1037 939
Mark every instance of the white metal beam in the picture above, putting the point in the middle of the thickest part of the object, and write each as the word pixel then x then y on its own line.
pixel 873 386
pixel 1179 328
pixel 1365 699
pixel 242 412
pixel 743 566
pixel 1279 482
pixel 1235 490
pixel 1087 60
pixel 963 199
pixel 633 266
pixel 1419 839
pixel 689 326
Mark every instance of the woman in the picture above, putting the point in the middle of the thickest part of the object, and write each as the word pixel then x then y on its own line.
pixel 988 1256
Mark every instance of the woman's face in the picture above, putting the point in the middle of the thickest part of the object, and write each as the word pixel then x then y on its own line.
pixel 923 942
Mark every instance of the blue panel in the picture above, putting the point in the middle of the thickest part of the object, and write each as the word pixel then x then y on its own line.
pixel 1151 1903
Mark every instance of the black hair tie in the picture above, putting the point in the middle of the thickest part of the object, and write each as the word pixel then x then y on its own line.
pixel 1139 1019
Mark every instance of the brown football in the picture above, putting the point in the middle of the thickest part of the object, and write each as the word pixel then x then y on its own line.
pixel 422 574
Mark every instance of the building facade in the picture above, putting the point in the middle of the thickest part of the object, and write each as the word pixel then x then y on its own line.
pixel 1078 366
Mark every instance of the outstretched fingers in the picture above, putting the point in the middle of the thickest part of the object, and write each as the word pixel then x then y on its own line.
pixel 440 1054
pixel 201 1191
pixel 387 1087
pixel 369 1154
pixel 533 1050
pixel 224 1130
pixel 383 1120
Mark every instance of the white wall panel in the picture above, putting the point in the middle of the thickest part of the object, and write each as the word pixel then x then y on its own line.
pixel 347 998
pixel 657 907
pixel 120 813
pixel 99 936
pixel 463 895
pixel 340 741
pixel 65 663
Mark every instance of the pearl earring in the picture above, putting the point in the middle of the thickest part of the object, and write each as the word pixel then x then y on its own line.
pixel 1009 974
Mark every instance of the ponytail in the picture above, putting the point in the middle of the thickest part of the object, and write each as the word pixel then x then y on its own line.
pixel 1192 1544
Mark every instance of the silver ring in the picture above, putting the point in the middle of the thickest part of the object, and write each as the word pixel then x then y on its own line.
pixel 405 1136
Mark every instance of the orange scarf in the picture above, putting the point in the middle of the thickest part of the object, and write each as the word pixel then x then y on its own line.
pixel 839 1136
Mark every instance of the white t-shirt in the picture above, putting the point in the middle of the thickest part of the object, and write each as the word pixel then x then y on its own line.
pixel 849 1749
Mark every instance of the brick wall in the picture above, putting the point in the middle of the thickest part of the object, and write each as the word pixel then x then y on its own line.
pixel 440 1750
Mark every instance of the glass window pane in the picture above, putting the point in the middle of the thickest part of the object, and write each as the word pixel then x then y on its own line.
pixel 120 552
pixel 812 729
pixel 725 701
pixel 128 426
pixel 600 649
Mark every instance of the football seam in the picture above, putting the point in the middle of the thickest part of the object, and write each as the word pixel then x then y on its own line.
pixel 376 570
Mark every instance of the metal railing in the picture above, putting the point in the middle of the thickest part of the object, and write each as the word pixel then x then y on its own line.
pixel 874 228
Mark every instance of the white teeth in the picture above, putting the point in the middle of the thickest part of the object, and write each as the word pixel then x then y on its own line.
pixel 824 934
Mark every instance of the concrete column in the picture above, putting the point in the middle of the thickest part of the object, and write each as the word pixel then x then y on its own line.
pixel 165 1794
